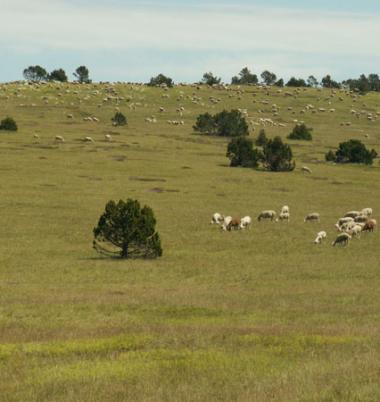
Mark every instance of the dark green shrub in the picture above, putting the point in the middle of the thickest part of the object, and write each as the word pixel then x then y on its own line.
pixel 58 75
pixel 277 156
pixel 8 124
pixel 119 119
pixel 160 79
pixel 240 151
pixel 225 124
pixel 301 132
pixel 330 156
pixel 354 151
pixel 128 231
pixel 261 139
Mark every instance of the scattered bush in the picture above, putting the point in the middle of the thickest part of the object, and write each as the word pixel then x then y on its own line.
pixel 330 156
pixel 128 231
pixel 301 132
pixel 352 151
pixel 8 124
pixel 277 156
pixel 161 80
pixel 240 151
pixel 262 139
pixel 119 119
pixel 245 78
pixel 225 124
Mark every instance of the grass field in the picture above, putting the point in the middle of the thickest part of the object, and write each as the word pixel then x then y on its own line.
pixel 256 315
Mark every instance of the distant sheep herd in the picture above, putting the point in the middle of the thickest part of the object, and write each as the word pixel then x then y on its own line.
pixel 351 225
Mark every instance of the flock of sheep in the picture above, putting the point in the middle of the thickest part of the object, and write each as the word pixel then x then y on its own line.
pixel 352 224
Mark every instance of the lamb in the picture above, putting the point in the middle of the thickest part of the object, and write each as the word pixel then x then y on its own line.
pixel 314 216
pixel 284 216
pixel 285 209
pixel 306 169
pixel 355 231
pixel 226 222
pixel 217 218
pixel 320 236
pixel 245 222
pixel 267 215
pixel 342 238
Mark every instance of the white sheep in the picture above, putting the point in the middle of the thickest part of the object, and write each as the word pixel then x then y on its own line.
pixel 267 215
pixel 245 222
pixel 342 238
pixel 314 216
pixel 226 222
pixel 306 169
pixel 217 218
pixel 366 211
pixel 108 137
pixel 59 138
pixel 88 139
pixel 320 236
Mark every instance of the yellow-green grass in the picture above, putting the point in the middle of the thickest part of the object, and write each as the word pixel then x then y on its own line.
pixel 256 315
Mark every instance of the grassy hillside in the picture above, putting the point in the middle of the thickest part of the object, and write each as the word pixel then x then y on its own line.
pixel 256 315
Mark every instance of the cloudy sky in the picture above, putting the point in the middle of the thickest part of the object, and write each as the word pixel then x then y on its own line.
pixel 133 40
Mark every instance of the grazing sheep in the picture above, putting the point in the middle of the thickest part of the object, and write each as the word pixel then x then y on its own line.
pixel 352 214
pixel 88 139
pixel 245 222
pixel 226 222
pixel 355 231
pixel 314 216
pixel 306 169
pixel 284 216
pixel 347 226
pixel 320 236
pixel 59 138
pixel 342 238
pixel 370 225
pixel 366 211
pixel 285 209
pixel 217 218
pixel 70 116
pixel 341 221
pixel 361 219
pixel 234 224
pixel 267 215
pixel 108 137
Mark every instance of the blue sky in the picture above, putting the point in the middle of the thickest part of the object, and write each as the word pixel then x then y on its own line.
pixel 134 40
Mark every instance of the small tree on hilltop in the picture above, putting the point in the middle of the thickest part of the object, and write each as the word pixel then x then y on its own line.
pixel 82 74
pixel 240 151
pixel 119 119
pixel 58 75
pixel 261 139
pixel 128 231
pixel 277 156
pixel 268 77
pixel 35 73
pixel 354 151
pixel 160 80
pixel 301 132
pixel 245 78
pixel 296 82
pixel 8 124
pixel 210 79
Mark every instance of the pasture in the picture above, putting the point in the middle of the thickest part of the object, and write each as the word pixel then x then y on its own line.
pixel 255 315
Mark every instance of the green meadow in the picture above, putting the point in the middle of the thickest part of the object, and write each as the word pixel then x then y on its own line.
pixel 256 315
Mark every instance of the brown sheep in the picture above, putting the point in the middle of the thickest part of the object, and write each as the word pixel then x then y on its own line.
pixel 234 224
pixel 370 225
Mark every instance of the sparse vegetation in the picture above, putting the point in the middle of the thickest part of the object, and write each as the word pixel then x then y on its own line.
pixel 301 132
pixel 352 151
pixel 8 124
pixel 240 151
pixel 119 119
pixel 224 124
